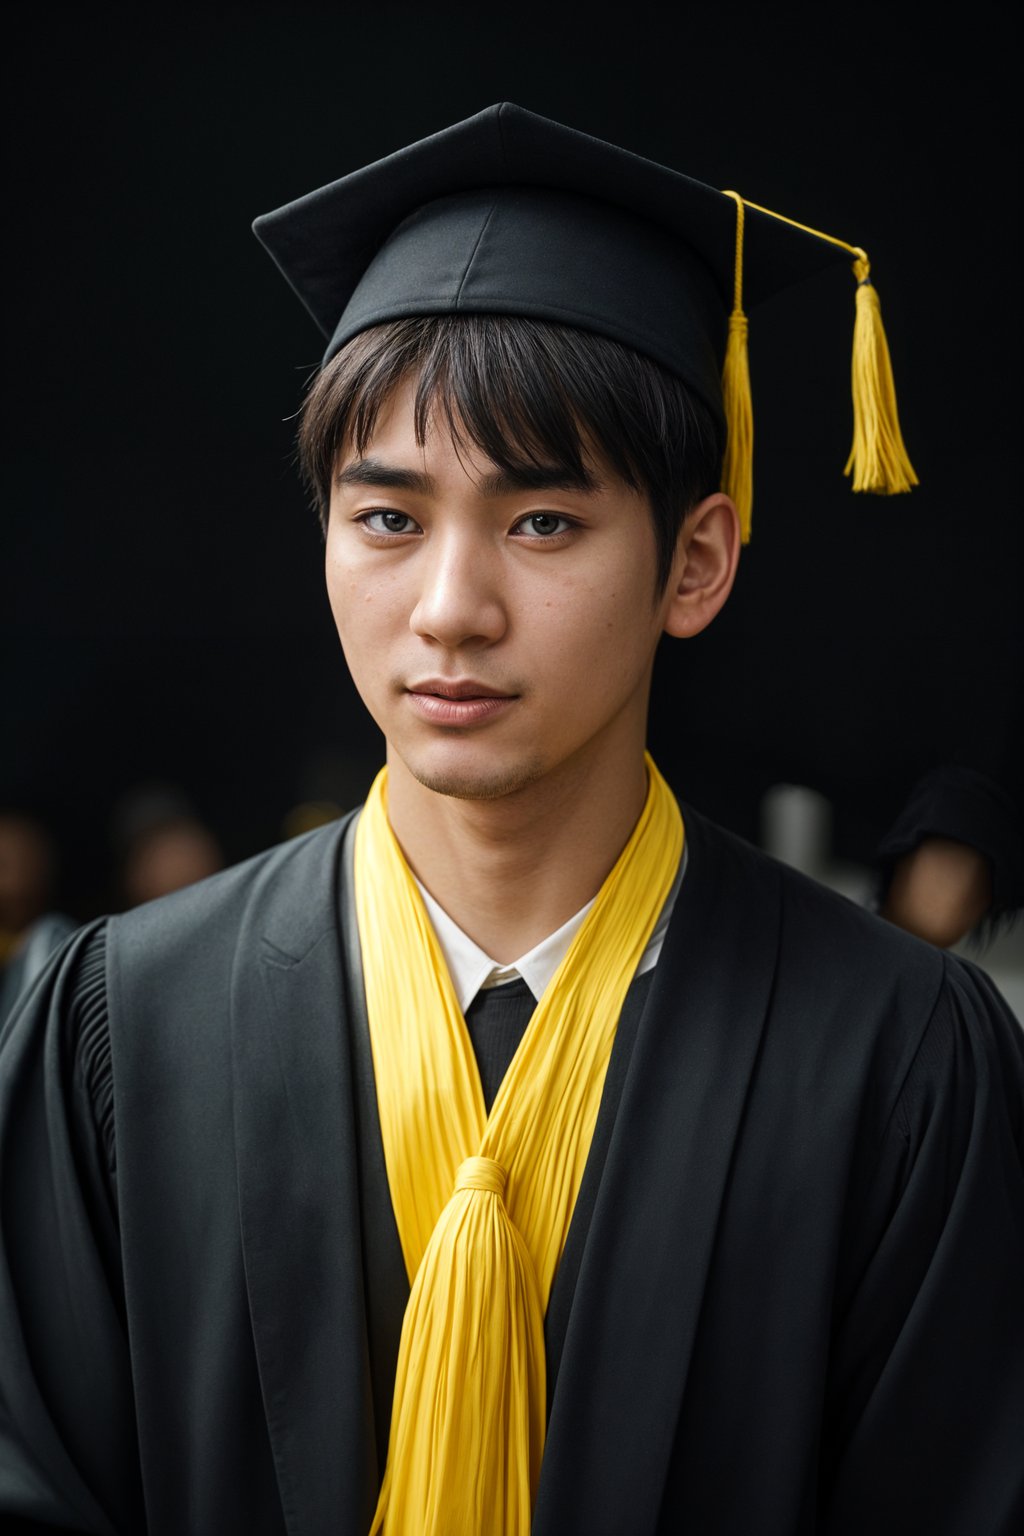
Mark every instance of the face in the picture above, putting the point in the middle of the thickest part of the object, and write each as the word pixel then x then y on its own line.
pixel 497 634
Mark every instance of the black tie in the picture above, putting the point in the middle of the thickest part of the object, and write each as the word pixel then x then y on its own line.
pixel 496 1019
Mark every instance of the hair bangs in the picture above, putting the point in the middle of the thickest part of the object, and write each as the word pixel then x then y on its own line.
pixel 529 395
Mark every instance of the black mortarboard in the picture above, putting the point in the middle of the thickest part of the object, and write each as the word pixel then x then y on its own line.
pixel 510 213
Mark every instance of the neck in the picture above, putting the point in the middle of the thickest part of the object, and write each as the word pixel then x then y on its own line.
pixel 510 871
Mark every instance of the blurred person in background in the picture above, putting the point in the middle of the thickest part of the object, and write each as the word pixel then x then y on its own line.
pixel 160 844
pixel 29 927
pixel 952 864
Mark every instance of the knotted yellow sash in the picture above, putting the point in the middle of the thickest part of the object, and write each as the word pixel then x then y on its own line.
pixel 483 1203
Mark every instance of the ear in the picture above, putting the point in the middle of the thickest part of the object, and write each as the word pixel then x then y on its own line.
pixel 704 568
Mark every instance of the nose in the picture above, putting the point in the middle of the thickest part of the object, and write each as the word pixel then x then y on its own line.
pixel 460 600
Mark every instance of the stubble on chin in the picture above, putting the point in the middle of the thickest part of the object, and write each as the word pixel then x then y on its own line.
pixel 479 784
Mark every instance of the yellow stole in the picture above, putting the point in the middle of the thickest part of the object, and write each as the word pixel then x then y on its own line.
pixel 483 1202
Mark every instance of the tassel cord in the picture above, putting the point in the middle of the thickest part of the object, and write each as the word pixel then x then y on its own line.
pixel 878 460
pixel 738 460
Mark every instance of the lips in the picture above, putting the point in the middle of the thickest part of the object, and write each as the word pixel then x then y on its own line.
pixel 463 702
pixel 464 688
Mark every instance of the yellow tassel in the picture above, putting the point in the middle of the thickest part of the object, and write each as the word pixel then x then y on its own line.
pixel 738 461
pixel 470 1399
pixel 878 459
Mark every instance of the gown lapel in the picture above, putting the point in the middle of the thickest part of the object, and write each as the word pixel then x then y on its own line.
pixel 299 1198
pixel 631 1324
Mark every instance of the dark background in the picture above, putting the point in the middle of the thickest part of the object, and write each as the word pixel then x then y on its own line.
pixel 163 611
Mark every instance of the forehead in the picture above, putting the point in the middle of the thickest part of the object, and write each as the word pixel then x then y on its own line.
pixel 427 439
pixel 394 419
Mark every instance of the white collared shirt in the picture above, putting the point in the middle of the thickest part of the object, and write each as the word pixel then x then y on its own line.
pixel 472 969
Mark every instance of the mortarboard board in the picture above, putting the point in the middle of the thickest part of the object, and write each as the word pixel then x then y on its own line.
pixel 511 213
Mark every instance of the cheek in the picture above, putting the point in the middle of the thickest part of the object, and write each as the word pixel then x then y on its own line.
pixel 597 640
pixel 340 595
pixel 362 603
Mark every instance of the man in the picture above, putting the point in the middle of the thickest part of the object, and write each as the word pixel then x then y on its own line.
pixel 522 1153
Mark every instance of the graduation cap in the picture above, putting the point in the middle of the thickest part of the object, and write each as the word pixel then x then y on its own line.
pixel 508 213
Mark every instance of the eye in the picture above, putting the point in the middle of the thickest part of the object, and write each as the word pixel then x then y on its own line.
pixel 386 521
pixel 543 525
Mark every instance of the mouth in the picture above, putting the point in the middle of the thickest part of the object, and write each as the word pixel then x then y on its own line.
pixel 462 703
pixel 465 688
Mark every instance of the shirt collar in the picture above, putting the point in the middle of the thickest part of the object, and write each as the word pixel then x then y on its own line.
pixel 472 969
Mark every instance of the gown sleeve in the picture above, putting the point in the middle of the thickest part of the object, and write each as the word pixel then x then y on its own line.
pixel 68 1443
pixel 925 1431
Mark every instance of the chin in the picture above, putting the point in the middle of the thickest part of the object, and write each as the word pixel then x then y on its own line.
pixel 475 781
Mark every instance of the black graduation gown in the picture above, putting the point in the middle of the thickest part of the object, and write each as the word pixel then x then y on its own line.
pixel 791 1301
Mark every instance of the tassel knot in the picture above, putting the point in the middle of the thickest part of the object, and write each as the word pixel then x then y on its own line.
pixel 481 1173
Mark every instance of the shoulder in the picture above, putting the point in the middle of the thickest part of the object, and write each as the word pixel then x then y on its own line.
pixel 184 971
pixel 286 895
pixel 853 998
pixel 836 940
pixel 56 1039
pixel 973 1037
pixel 44 938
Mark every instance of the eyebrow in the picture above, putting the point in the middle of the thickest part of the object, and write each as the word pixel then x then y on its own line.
pixel 540 477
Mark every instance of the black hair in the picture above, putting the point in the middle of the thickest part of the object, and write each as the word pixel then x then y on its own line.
pixel 528 394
